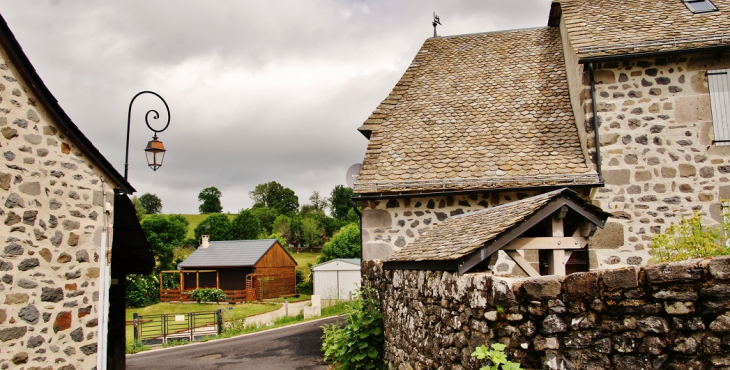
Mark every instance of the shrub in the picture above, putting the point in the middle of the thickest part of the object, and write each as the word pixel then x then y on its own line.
pixel 207 295
pixel 496 356
pixel 690 239
pixel 305 287
pixel 358 345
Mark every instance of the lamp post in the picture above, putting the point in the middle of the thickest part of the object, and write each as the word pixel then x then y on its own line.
pixel 155 151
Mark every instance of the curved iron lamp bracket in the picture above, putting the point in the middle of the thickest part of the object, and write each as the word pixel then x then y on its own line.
pixel 155 115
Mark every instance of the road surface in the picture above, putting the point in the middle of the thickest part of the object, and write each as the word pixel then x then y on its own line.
pixel 291 347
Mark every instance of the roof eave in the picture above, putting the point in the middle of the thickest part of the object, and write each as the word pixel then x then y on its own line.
pixel 652 54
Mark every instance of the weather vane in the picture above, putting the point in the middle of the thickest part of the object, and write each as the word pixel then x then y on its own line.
pixel 436 21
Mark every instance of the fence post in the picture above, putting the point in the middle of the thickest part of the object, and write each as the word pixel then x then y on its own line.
pixel 219 320
pixel 136 327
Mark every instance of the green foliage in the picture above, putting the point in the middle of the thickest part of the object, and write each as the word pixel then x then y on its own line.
pixel 305 287
pixel 274 195
pixel 311 232
pixel 138 208
pixel 340 202
pixel 164 233
pixel 690 239
pixel 245 226
pixel 216 225
pixel 151 203
pixel 318 202
pixel 358 345
pixel 207 295
pixel 141 290
pixel 135 347
pixel 299 276
pixel 345 244
pixel 266 217
pixel 211 198
pixel 497 356
pixel 280 238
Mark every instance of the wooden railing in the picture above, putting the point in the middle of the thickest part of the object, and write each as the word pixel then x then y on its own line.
pixel 177 295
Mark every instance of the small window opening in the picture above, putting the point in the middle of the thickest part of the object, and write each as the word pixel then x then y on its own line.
pixel 700 6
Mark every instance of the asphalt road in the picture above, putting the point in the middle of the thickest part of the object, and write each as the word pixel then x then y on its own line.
pixel 291 347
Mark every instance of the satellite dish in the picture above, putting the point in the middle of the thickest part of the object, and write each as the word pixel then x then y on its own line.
pixel 352 174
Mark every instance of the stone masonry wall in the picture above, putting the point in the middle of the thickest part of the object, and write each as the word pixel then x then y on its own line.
pixel 51 214
pixel 658 160
pixel 668 316
pixel 389 225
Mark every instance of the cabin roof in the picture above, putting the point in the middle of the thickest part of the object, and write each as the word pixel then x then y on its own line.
pixel 230 253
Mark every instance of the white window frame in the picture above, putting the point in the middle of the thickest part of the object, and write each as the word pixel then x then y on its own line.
pixel 690 6
pixel 719 84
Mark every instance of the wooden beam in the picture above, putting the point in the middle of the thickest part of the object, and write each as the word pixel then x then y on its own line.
pixel 565 242
pixel 522 262
pixel 557 263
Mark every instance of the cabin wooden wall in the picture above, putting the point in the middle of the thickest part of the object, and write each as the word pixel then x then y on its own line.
pixel 279 265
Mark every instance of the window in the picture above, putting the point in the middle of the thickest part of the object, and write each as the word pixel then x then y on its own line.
pixel 719 81
pixel 700 6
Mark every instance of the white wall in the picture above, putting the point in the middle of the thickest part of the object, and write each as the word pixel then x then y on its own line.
pixel 338 285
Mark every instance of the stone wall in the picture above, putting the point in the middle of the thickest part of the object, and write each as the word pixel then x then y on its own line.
pixel 658 160
pixel 51 207
pixel 390 224
pixel 669 316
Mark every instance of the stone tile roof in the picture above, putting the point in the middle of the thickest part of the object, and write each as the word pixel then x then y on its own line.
pixel 461 235
pixel 615 27
pixel 487 110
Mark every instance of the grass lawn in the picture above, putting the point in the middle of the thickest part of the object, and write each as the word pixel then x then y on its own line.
pixel 237 311
pixel 303 258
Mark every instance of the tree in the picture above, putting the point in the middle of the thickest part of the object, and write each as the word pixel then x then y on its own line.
pixel 245 226
pixel 138 208
pixel 211 198
pixel 216 225
pixel 164 233
pixel 151 203
pixel 340 202
pixel 311 232
pixel 319 203
pixel 690 239
pixel 273 195
pixel 266 217
pixel 345 244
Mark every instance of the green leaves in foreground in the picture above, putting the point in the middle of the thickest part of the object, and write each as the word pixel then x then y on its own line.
pixel 690 239
pixel 359 344
pixel 497 356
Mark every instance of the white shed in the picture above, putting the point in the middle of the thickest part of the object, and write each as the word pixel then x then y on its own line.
pixel 337 279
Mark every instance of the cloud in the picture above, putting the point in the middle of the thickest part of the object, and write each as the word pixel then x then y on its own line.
pixel 259 91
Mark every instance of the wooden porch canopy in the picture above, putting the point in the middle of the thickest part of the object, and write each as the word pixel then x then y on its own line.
pixel 559 221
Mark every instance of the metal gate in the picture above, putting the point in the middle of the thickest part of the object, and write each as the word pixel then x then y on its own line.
pixel 159 329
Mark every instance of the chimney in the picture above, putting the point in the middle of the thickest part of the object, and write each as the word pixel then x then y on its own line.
pixel 205 243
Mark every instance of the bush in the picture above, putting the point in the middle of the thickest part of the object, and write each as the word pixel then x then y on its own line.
pixel 305 287
pixel 207 295
pixel 359 345
pixel 690 239
pixel 345 244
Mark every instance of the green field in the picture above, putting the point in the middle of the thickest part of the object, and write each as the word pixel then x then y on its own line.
pixel 303 258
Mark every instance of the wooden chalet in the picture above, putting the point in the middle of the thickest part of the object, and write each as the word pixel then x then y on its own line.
pixel 245 270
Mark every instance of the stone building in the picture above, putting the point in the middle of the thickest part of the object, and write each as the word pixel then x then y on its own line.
pixel 485 119
pixel 59 204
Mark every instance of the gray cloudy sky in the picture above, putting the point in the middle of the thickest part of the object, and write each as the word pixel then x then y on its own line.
pixel 258 90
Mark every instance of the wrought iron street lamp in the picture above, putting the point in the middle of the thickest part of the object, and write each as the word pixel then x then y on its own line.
pixel 155 151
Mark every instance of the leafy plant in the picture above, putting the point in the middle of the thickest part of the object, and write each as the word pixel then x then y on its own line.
pixel 690 239
pixel 496 356
pixel 359 344
pixel 207 295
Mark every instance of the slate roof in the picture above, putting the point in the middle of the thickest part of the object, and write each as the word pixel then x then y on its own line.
pixel 460 235
pixel 614 27
pixel 488 110
pixel 231 253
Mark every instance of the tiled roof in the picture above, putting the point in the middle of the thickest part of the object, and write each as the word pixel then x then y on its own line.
pixel 461 235
pixel 232 253
pixel 615 27
pixel 487 110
